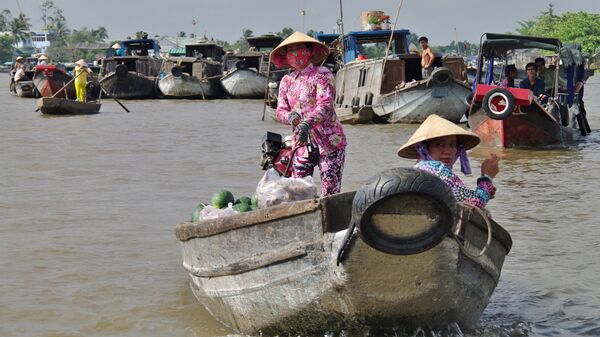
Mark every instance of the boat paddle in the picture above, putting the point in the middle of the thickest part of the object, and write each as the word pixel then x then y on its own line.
pixel 61 89
pixel 111 96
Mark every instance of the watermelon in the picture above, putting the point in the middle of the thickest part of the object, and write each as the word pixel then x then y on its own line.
pixel 244 200
pixel 196 212
pixel 222 198
pixel 241 207
pixel 254 200
pixel 254 207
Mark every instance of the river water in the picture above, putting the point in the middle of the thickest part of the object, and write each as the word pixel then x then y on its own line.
pixel 88 206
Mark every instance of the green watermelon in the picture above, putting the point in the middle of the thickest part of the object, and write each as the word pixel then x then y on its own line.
pixel 254 207
pixel 196 212
pixel 222 198
pixel 245 200
pixel 254 200
pixel 241 207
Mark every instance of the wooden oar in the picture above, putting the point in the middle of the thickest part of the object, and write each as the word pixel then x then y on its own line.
pixel 59 90
pixel 111 96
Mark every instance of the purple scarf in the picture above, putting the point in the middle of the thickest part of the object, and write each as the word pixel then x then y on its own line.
pixel 465 165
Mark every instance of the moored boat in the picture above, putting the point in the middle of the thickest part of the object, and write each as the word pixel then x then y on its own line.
pixel 133 75
pixel 197 75
pixel 50 80
pixel 62 106
pixel 246 74
pixel 513 117
pixel 392 89
pixel 25 89
pixel 392 254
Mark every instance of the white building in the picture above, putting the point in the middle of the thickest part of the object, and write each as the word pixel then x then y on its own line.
pixel 39 41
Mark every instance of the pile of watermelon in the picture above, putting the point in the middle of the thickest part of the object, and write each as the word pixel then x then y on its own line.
pixel 223 199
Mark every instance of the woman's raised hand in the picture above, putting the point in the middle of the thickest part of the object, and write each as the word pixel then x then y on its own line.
pixel 490 166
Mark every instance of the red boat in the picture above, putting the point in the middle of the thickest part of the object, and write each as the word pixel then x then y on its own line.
pixel 513 117
pixel 49 79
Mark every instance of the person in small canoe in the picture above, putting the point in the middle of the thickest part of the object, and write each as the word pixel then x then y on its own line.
pixel 438 144
pixel 305 101
pixel 81 72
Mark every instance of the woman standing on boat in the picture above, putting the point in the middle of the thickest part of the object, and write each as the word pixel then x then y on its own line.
pixel 81 74
pixel 437 144
pixel 306 102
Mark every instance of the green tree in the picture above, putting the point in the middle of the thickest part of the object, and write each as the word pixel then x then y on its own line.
pixel 55 21
pixel 19 29
pixel 5 18
pixel 6 48
pixel 285 32
pixel 181 34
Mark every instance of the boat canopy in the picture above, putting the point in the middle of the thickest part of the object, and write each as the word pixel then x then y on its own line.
pixel 327 38
pixel 498 44
pixel 353 40
pixel 204 49
pixel 140 47
pixel 264 42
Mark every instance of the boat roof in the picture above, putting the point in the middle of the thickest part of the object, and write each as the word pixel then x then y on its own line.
pixel 141 44
pixel 207 49
pixel 264 41
pixel 504 42
pixel 376 35
pixel 327 38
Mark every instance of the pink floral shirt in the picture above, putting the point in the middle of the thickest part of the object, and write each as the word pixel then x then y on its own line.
pixel 311 93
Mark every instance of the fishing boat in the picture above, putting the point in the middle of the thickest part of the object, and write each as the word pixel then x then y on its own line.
pixel 389 88
pixel 63 106
pixel 195 75
pixel 398 252
pixel 247 73
pixel 513 117
pixel 49 79
pixel 135 74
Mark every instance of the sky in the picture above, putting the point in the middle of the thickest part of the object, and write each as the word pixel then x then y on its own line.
pixel 442 21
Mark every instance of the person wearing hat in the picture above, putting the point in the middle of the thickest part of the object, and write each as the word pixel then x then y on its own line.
pixel 42 60
pixel 437 144
pixel 81 74
pixel 119 50
pixel 305 101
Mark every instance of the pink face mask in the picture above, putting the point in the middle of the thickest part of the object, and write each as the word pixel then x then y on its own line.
pixel 299 58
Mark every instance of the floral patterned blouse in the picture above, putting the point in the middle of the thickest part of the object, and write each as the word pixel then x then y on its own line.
pixel 311 93
pixel 478 197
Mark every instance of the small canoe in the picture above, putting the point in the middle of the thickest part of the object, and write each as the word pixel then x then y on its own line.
pixel 61 106
pixel 399 252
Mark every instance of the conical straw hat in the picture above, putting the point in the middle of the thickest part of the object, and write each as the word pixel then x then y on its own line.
pixel 319 49
pixel 43 57
pixel 19 58
pixel 434 127
pixel 116 46
pixel 81 62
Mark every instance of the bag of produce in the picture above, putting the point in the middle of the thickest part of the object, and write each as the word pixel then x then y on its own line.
pixel 274 189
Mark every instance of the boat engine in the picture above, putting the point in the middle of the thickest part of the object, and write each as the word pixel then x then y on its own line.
pixel 276 152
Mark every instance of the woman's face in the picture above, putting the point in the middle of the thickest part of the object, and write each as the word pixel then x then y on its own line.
pixel 443 149
pixel 298 56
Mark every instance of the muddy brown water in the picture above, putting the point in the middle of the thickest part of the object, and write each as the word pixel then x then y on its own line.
pixel 88 205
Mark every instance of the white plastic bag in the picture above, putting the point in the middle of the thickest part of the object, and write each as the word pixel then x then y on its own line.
pixel 211 212
pixel 274 189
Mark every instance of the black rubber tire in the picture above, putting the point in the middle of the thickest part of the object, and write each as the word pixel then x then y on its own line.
pixel 121 71
pixel 441 77
pixel 241 64
pixel 395 182
pixel 176 71
pixel 564 114
pixel 509 99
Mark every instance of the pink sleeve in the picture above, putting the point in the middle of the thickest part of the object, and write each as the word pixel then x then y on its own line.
pixel 283 106
pixel 324 97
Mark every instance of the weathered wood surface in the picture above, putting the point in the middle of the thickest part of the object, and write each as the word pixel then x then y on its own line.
pixel 257 272
pixel 61 106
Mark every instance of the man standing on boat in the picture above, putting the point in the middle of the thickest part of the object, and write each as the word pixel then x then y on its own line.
pixel 427 57
pixel 306 102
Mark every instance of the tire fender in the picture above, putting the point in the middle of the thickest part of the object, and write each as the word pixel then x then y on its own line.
pixel 498 103
pixel 440 77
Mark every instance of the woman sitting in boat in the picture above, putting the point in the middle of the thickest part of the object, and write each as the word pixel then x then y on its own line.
pixel 437 144
pixel 306 102
pixel 511 73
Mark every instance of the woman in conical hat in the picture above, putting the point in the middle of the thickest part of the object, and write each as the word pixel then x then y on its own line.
pixel 305 101
pixel 81 74
pixel 438 144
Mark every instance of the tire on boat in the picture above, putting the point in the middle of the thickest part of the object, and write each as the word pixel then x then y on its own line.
pixel 440 77
pixel 176 71
pixel 404 211
pixel 498 103
pixel 121 71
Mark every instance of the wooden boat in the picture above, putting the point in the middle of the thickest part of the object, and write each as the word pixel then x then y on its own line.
pixel 49 79
pixel 513 117
pixel 392 90
pixel 62 106
pixel 394 253
pixel 246 74
pixel 197 75
pixel 26 89
pixel 134 75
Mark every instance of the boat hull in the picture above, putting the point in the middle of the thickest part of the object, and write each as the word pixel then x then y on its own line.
pixel 275 271
pixel 244 83
pixel 49 81
pixel 61 106
pixel 528 126
pixel 25 89
pixel 185 86
pixel 129 86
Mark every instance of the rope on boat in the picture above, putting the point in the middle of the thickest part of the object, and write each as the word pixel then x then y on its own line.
pixel 387 50
pixel 459 228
